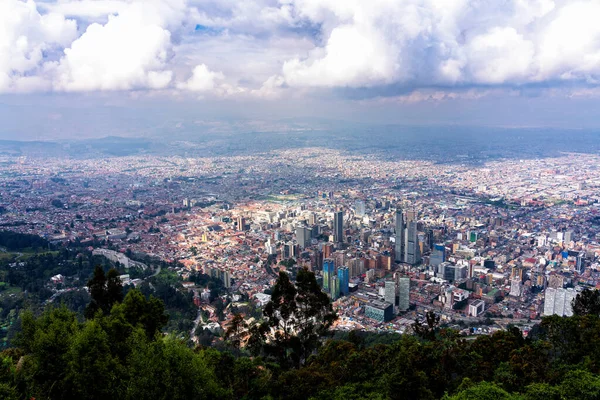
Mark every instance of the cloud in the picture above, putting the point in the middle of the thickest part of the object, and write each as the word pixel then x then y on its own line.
pixel 129 52
pixel 202 80
pixel 272 48
pixel 205 81
pixel 86 8
pixel 25 35
pixel 419 43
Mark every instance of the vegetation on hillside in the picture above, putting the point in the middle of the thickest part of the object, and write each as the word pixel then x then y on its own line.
pixel 121 353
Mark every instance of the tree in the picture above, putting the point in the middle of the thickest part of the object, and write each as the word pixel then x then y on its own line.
pixel 587 303
pixel 149 313
pixel 234 331
pixel 96 286
pixel 93 372
pixel 429 330
pixel 483 391
pixel 296 318
pixel 114 288
pixel 105 291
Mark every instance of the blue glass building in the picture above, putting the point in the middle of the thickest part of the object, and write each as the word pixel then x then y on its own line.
pixel 328 272
pixel 343 275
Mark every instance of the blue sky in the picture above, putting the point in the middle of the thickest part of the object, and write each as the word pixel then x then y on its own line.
pixel 487 62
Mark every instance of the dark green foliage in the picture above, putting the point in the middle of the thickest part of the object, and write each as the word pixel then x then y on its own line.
pixel 105 291
pixel 122 354
pixel 483 391
pixel 587 303
pixel 299 315
pixel 21 241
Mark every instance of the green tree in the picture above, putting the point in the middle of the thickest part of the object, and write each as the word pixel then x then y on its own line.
pixel 299 315
pixel 167 369
pixel 428 330
pixel 587 303
pixel 541 391
pixel 46 342
pixel 237 327
pixel 483 391
pixel 147 313
pixel 105 291
pixel 93 372
pixel 580 385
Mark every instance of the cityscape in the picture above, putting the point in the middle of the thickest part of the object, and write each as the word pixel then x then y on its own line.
pixel 484 246
pixel 299 200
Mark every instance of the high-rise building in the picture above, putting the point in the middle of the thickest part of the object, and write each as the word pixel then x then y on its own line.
pixel 327 250
pixel 356 266
pixel 241 223
pixel 403 293
pixel 221 274
pixel 399 246
pixel 559 301
pixel 335 287
pixel 438 255
pixel 289 250
pixel 270 248
pixel 338 226
pixel 328 271
pixel 303 236
pixel 579 264
pixel 359 208
pixel 391 292
pixel 343 279
pixel 568 237
pixel 476 308
pixel 516 287
pixel 412 251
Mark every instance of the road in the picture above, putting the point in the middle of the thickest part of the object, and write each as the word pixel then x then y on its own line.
pixel 155 273
pixel 196 323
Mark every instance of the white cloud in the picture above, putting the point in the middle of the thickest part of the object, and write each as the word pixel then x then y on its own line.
pixel 427 42
pixel 86 8
pixel 202 80
pixel 24 37
pixel 499 55
pixel 570 43
pixel 273 47
pixel 205 81
pixel 130 51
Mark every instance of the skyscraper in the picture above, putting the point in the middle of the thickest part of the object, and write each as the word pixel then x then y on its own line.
pixel 241 223
pixel 360 208
pixel 328 270
pixel 438 255
pixel 303 235
pixel 338 226
pixel 343 279
pixel 335 288
pixel 391 292
pixel 399 247
pixel 403 294
pixel 559 301
pixel 412 251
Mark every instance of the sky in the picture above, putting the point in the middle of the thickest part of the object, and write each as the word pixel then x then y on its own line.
pixel 124 64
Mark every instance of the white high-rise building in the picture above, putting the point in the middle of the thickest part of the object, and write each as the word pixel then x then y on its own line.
pixel 403 293
pixel 516 287
pixel 559 302
pixel 391 291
